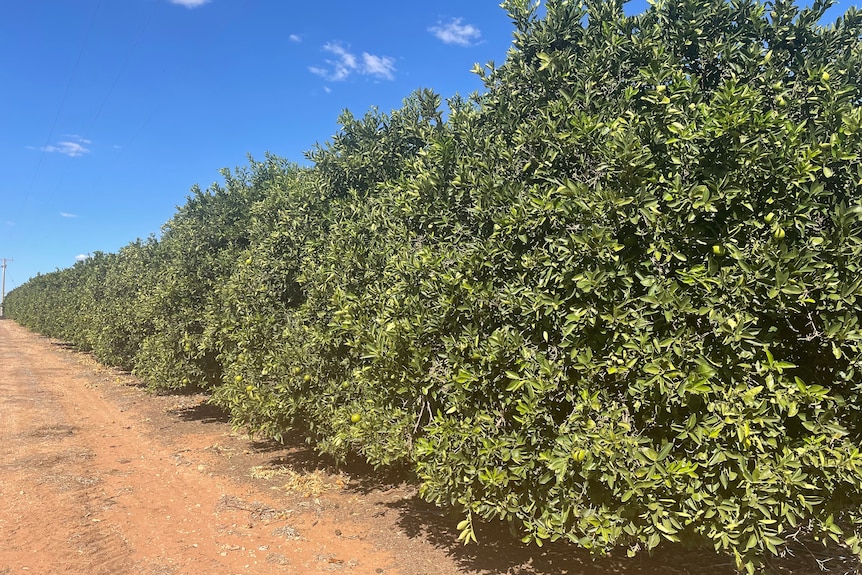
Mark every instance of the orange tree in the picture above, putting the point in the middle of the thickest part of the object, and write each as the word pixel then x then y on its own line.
pixel 198 249
pixel 313 245
pixel 653 327
pixel 615 299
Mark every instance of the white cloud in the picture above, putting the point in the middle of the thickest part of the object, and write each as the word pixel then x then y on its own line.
pixel 189 3
pixel 73 147
pixel 346 63
pixel 82 257
pixel 454 32
pixel 65 215
pixel 295 38
pixel 380 66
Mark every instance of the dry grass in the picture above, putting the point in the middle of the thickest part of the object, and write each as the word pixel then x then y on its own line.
pixel 309 483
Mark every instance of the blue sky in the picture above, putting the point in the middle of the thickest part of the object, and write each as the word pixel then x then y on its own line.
pixel 112 109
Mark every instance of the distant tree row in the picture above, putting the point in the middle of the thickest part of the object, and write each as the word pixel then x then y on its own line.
pixel 613 299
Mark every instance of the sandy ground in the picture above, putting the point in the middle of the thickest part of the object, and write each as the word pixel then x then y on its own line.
pixel 98 477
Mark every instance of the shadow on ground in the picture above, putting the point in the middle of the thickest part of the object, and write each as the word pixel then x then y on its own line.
pixel 498 551
pixel 203 412
pixel 64 345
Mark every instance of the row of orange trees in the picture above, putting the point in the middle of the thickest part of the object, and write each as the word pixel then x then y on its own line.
pixel 613 299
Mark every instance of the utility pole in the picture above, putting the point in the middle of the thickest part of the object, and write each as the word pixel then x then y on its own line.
pixel 3 288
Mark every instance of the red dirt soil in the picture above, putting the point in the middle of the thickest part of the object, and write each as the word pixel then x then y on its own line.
pixel 98 477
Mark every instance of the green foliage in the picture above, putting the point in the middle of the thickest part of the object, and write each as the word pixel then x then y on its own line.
pixel 373 149
pixel 661 300
pixel 663 289
pixel 615 299
pixel 316 245
pixel 202 244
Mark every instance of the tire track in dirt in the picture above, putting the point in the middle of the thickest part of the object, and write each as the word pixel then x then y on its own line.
pixel 38 439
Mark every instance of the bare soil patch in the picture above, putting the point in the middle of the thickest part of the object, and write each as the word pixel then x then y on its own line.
pixel 99 477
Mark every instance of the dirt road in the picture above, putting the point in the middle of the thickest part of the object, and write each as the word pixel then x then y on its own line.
pixel 97 477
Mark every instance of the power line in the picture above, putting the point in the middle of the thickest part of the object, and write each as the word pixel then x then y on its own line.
pixel 156 107
pixel 130 52
pixel 125 64
pixel 65 94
